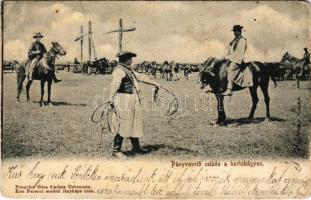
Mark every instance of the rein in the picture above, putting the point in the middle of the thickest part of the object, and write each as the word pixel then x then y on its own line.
pixel 51 55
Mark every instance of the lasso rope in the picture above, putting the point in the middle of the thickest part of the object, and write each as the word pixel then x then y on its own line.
pixel 106 110
pixel 173 105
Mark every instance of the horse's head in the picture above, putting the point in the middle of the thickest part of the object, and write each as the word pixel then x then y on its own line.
pixel 285 57
pixel 58 49
pixel 207 74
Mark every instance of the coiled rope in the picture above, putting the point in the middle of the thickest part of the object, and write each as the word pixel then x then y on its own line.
pixel 103 115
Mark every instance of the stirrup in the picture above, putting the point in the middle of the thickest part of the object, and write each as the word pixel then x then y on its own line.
pixel 227 93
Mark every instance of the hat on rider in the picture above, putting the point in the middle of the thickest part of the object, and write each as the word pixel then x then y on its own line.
pixel 38 35
pixel 237 28
pixel 127 54
pixel 305 48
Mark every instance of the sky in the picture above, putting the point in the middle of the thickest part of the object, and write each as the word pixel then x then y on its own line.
pixel 182 31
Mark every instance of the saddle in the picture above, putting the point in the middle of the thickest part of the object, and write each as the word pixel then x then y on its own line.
pixel 243 75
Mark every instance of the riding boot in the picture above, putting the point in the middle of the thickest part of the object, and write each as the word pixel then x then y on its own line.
pixel 55 79
pixel 228 92
pixel 136 149
pixel 117 145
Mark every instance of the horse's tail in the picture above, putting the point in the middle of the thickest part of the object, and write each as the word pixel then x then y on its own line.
pixel 273 70
pixel 20 71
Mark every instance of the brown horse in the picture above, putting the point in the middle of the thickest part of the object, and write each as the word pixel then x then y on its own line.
pixel 214 75
pixel 41 73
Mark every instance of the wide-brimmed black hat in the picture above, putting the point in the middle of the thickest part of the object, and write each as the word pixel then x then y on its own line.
pixel 38 35
pixel 305 48
pixel 126 54
pixel 237 28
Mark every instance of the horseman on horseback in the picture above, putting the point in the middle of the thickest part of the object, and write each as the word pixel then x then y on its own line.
pixel 306 63
pixel 35 54
pixel 235 56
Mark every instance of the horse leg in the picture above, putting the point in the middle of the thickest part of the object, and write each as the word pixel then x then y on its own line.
pixel 221 110
pixel 28 88
pixel 42 83
pixel 20 80
pixel 264 88
pixel 297 81
pixel 49 92
pixel 253 91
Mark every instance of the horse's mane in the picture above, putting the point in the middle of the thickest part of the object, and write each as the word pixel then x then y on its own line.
pixel 212 64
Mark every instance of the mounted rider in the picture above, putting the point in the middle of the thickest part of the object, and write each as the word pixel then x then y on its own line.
pixel 306 58
pixel 35 53
pixel 235 56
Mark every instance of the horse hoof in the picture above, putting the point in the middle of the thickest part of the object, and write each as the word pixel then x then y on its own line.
pixel 50 104
pixel 220 123
pixel 42 104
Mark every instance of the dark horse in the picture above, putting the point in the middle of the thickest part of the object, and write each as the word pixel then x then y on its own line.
pixel 295 64
pixel 214 75
pixel 40 73
pixel 167 72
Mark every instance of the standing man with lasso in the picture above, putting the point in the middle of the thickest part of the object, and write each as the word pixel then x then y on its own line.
pixel 125 95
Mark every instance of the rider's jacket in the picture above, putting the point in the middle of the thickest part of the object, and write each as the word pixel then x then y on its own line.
pixel 306 57
pixel 236 50
pixel 36 50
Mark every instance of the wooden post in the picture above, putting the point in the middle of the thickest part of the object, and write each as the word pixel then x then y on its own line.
pixel 81 41
pixel 90 35
pixel 120 31
pixel 120 35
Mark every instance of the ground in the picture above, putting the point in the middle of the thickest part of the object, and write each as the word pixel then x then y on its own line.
pixel 65 130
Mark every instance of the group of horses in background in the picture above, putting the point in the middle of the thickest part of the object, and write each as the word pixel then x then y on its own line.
pixel 166 70
pixel 10 65
pixel 98 66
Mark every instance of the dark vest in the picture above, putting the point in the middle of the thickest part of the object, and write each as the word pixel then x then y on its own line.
pixel 126 85
pixel 35 46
